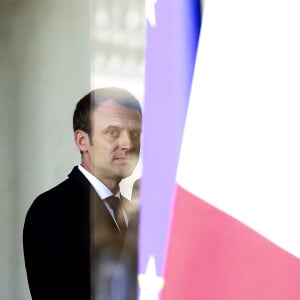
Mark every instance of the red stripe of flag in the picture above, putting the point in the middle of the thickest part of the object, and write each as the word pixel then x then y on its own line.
pixel 213 256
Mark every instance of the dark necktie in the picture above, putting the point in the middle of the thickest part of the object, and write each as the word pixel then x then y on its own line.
pixel 115 204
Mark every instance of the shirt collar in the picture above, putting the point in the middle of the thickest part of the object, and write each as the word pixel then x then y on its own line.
pixel 101 189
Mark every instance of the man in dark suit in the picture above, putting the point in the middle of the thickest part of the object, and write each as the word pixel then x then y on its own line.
pixel 79 238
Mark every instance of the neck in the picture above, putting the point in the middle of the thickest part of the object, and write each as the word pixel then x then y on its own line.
pixel 114 187
pixel 112 184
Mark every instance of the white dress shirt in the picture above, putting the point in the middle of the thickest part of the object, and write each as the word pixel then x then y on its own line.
pixel 102 191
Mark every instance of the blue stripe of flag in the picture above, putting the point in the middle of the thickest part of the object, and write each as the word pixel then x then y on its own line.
pixel 170 55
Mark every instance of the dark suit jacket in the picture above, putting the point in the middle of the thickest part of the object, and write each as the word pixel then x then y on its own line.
pixel 68 239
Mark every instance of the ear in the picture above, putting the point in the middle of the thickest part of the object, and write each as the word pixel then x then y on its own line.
pixel 82 140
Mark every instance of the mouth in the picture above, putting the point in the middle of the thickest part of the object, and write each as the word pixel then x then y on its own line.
pixel 122 159
pixel 125 158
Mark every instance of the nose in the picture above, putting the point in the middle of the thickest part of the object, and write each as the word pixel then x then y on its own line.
pixel 126 142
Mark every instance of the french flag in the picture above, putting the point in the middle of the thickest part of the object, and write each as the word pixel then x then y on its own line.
pixel 227 226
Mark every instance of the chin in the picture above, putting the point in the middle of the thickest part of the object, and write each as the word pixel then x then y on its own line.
pixel 126 170
pixel 125 174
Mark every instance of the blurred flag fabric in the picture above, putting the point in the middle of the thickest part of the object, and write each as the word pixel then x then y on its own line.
pixel 235 225
pixel 233 231
pixel 172 37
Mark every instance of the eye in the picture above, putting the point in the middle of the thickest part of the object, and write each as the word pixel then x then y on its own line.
pixel 113 132
pixel 135 133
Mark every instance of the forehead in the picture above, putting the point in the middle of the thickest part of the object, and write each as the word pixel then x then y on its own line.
pixel 110 112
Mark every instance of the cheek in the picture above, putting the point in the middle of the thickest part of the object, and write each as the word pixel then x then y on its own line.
pixel 109 147
pixel 100 151
pixel 137 146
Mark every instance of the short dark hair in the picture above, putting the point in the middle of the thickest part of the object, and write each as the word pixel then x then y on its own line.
pixel 88 103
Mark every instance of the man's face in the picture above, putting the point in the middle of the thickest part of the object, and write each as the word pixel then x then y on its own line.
pixel 114 146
